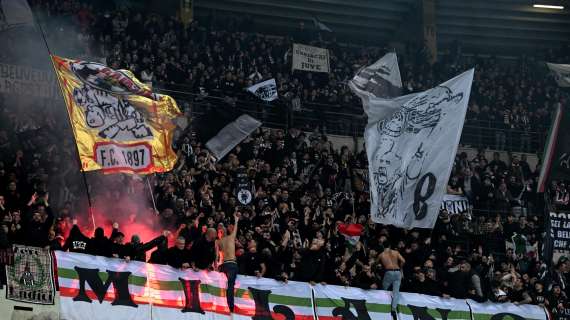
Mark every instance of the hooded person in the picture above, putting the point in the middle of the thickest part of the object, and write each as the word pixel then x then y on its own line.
pixel 136 249
pixel 99 245
pixel 77 241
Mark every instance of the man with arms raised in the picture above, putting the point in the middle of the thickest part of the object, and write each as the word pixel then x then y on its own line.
pixel 229 267
pixel 392 261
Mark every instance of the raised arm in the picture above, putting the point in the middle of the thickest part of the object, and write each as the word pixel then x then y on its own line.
pixel 237 215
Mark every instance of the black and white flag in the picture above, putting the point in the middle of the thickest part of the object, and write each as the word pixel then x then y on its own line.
pixel 266 90
pixel 561 73
pixel 319 25
pixel 411 142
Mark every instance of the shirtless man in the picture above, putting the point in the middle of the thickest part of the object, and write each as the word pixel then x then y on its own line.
pixel 229 267
pixel 392 261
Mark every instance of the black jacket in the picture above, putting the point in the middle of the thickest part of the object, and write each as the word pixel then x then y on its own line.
pixel 137 251
pixel 176 257
pixel 203 253
pixel 312 266
pixel 99 245
pixel 76 242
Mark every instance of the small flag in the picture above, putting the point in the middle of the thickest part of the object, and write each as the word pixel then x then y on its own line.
pixel 351 232
pixel 231 135
pixel 266 90
pixel 556 163
pixel 321 26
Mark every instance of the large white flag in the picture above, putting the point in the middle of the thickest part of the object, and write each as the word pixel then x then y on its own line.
pixel 561 73
pixel 411 142
pixel 266 90
pixel 15 13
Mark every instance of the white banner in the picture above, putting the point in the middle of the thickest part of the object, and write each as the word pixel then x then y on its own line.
pixel 416 306
pixel 257 298
pixel 335 302
pixel 455 204
pixel 506 311
pixel 310 58
pixel 96 288
pixel 411 151
pixel 561 73
pixel 266 90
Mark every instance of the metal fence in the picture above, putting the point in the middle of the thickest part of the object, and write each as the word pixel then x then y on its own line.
pixel 348 120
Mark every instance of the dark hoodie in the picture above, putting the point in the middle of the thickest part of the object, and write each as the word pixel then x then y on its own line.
pixel 99 245
pixel 160 255
pixel 136 250
pixel 76 242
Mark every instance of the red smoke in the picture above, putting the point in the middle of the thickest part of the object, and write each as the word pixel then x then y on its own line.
pixel 126 201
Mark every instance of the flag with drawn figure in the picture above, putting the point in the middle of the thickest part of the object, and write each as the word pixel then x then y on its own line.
pixel 266 90
pixel 561 73
pixel 411 142
pixel 119 124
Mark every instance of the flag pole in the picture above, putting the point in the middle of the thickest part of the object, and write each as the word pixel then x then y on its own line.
pixel 86 185
pixel 151 195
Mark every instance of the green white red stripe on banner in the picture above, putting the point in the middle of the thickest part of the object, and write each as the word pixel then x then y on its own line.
pixel 94 288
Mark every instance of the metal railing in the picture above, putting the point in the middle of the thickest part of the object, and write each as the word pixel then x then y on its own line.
pixel 348 120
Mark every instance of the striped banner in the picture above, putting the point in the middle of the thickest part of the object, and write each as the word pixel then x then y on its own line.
pixel 259 297
pixel 332 302
pixel 96 288
pixel 93 288
pixel 504 311
pixel 416 306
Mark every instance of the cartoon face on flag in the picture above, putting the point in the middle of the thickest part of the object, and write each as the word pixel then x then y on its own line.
pixel 118 122
pixel 410 142
pixel 419 116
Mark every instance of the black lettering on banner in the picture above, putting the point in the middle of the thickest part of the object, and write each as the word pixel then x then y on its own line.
pixel 420 207
pixel 191 292
pixel 421 313
pixel 120 281
pixel 501 316
pixel 262 312
pixel 346 314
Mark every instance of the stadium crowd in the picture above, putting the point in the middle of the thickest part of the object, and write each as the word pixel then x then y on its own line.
pixel 223 56
pixel 305 189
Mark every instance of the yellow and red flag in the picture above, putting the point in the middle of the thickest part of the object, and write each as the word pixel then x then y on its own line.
pixel 119 124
